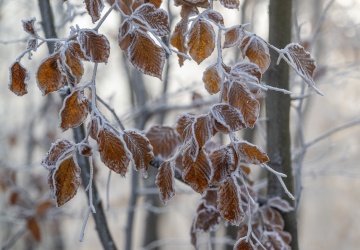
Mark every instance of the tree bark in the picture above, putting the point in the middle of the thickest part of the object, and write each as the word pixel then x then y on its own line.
pixel 278 111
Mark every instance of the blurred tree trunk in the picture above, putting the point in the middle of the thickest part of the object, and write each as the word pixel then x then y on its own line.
pixel 278 111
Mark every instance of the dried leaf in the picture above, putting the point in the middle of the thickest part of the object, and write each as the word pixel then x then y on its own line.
pixel 280 204
pixel 229 117
pixel 251 153
pixel 58 150
pixel 64 180
pixel 34 228
pixel 112 150
pixel 95 46
pixel 178 40
pixel 164 140
pixel 184 126
pixel 94 8
pixel 146 55
pixel 201 41
pixel 165 180
pixel 209 198
pixel 230 4
pixel 202 132
pixel 273 218
pixel 206 219
pixel 140 149
pixel 214 16
pixel 229 201
pixel 74 110
pixel 43 206
pixel 49 76
pixel 242 99
pixel 85 150
pixel 302 63
pixel 14 197
pixel 247 71
pixel 72 63
pixel 195 3
pixel 19 77
pixel 197 173
pixel 257 51
pixel 224 162
pixel 32 44
pixel 241 244
pixel 212 78
pixel 187 11
pixel 157 19
pixel 29 26
pixel 125 36
pixel 234 36
pixel 156 3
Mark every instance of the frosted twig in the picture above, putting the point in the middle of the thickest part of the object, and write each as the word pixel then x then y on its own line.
pixel 103 18
pixel 258 241
pixel 82 233
pixel 112 111
pixel 180 53
pixel 91 204
pixel 272 170
pixel 108 191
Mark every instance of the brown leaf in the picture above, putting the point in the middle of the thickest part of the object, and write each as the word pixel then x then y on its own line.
pixel 64 180
pixel 58 150
pixel 164 140
pixel 214 16
pixel 229 117
pixel 125 36
pixel 72 62
pixel 280 204
pixel 195 3
pixel 206 219
pixel 251 153
pixel 234 36
pixel 95 46
pixel 146 55
pixel 197 173
pixel 242 99
pixel 257 51
pixel 229 202
pixel 184 126
pixel 29 26
pixel 230 4
pixel 178 39
pixel 74 110
pixel 187 11
pixel 94 8
pixel 43 206
pixel 140 148
pixel 157 19
pixel 202 132
pixel 302 63
pixel 165 180
pixel 273 218
pixel 34 228
pixel 18 79
pixel 14 197
pixel 112 150
pixel 224 162
pixel 49 76
pixel 201 41
pixel 209 198
pixel 247 71
pixel 156 3
pixel 85 150
pixel 241 244
pixel 212 78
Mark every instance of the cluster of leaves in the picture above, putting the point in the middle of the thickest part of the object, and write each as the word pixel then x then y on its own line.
pixel 218 172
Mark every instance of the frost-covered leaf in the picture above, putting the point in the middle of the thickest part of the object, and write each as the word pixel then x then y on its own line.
pixel 85 150
pixel 280 204
pixel 165 180
pixel 212 77
pixel 209 198
pixel 125 36
pixel 73 66
pixel 32 44
pixel 33 227
pixel 273 218
pixel 151 17
pixel 164 140
pixel 95 46
pixel 178 39
pixel 247 71
pixel 184 126
pixel 94 8
pixel 251 153
pixel 49 76
pixel 195 3
pixel 234 36
pixel 197 173
pixel 229 201
pixel 229 117
pixel 257 51
pixel 224 163
pixel 58 150
pixel 202 132
pixel 187 11
pixel 19 77
pixel 214 16
pixel 302 63
pixel 140 149
pixel 207 219
pixel 201 41
pixel 241 244
pixel 146 55
pixel 29 26
pixel 64 180
pixel 112 149
pixel 240 97
pixel 74 110
pixel 230 4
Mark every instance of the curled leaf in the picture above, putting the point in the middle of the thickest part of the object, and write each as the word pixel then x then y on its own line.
pixel 18 79
pixel 29 26
pixel 94 8
pixel 58 150
pixel 230 4
pixel 178 40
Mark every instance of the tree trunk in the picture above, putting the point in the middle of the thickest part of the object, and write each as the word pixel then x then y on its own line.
pixel 278 111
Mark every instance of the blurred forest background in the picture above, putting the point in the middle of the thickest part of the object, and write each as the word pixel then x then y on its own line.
pixel 326 128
